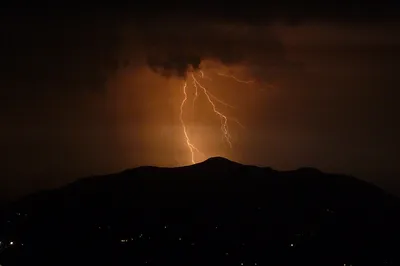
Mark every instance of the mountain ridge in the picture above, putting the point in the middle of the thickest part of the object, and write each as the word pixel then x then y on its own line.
pixel 214 169
pixel 262 207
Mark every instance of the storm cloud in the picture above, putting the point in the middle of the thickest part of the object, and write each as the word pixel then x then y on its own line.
pixel 176 49
pixel 82 49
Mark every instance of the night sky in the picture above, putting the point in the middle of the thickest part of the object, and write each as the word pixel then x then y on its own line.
pixel 90 90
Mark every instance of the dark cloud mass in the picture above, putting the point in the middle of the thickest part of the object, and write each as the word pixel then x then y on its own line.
pixel 173 65
pixel 174 49
pixel 80 49
pixel 83 54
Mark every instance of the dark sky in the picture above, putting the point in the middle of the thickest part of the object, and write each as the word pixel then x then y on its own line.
pixel 91 90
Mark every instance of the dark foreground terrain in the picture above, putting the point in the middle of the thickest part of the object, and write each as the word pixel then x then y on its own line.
pixel 214 213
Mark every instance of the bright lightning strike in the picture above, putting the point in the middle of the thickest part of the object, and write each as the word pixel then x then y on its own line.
pixel 196 94
pixel 224 119
pixel 203 76
pixel 212 100
pixel 235 78
pixel 191 147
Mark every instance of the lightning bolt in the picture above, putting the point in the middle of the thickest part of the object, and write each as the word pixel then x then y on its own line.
pixel 235 78
pixel 212 100
pixel 191 147
pixel 223 118
pixel 196 94
pixel 203 76
pixel 270 86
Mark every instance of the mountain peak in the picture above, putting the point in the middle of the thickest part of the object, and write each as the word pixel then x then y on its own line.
pixel 219 161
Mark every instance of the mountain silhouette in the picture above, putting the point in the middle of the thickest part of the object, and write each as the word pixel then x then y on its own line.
pixel 220 162
pixel 214 212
